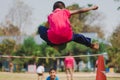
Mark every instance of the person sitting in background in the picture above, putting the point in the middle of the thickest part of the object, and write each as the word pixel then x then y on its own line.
pixel 40 71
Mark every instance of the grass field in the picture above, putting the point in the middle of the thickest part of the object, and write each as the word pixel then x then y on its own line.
pixel 62 76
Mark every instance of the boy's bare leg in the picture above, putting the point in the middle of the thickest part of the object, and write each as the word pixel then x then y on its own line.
pixel 67 74
pixel 71 73
pixel 38 77
pixel 42 77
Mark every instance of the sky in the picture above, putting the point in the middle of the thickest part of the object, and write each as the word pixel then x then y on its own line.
pixel 41 8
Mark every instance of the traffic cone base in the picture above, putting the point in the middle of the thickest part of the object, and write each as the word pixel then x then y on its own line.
pixel 101 69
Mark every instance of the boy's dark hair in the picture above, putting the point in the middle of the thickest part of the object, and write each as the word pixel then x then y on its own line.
pixel 52 69
pixel 58 4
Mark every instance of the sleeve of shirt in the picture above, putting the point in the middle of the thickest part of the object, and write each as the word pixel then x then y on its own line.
pixel 67 13
pixel 48 78
pixel 57 78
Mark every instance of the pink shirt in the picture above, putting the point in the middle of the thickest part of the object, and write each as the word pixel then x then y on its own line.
pixel 69 62
pixel 60 30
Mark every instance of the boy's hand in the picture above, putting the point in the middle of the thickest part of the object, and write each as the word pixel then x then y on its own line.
pixel 94 7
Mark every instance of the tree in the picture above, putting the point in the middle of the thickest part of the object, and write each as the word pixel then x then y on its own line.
pixel 86 22
pixel 114 51
pixel 93 23
pixel 48 51
pixel 29 48
pixel 10 30
pixel 7 46
pixel 19 15
pixel 115 38
pixel 17 19
pixel 96 29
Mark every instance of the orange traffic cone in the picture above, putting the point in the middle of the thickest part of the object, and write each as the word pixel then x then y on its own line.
pixel 101 69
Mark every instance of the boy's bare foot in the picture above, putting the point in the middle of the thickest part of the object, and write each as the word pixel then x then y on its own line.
pixel 95 46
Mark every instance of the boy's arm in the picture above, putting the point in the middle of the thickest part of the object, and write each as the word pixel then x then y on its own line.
pixel 83 10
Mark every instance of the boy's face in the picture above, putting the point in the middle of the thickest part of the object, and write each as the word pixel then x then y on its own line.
pixel 52 73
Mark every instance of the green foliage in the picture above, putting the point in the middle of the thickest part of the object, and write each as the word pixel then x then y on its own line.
pixel 7 46
pixel 48 51
pixel 102 48
pixel 114 57
pixel 30 47
pixel 114 51
pixel 115 38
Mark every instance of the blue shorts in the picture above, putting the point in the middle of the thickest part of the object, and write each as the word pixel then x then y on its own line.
pixel 79 38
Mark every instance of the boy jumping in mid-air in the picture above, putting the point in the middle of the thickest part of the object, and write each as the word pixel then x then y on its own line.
pixel 59 30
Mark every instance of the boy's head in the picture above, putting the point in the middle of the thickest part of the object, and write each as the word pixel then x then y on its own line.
pixel 52 73
pixel 58 4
